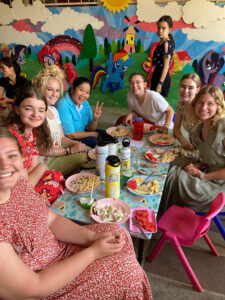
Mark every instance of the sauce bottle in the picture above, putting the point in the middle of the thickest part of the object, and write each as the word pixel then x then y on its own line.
pixel 112 177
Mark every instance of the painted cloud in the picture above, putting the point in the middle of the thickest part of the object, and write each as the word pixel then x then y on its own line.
pixel 148 11
pixel 8 33
pixel 209 12
pixel 59 23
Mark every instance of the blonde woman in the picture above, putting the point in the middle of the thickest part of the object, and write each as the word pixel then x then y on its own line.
pixel 189 86
pixel 196 185
pixel 66 155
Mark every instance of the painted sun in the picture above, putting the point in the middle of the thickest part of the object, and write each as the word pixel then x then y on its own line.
pixel 116 5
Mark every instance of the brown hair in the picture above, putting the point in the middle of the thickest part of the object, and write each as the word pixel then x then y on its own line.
pixel 194 77
pixel 169 21
pixel 44 138
pixel 218 96
pixel 138 74
pixel 4 132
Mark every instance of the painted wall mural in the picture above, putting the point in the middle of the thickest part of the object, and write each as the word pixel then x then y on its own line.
pixel 92 41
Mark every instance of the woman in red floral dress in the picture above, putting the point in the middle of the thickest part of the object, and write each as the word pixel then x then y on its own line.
pixel 27 122
pixel 46 256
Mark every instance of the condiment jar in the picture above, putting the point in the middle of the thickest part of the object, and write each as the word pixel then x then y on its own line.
pixel 101 153
pixel 112 177
pixel 125 155
pixel 138 126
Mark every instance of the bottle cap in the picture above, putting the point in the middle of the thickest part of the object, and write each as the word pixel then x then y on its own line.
pixel 138 119
pixel 126 142
pixel 113 160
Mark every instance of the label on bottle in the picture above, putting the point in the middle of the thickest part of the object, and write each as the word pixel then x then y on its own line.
pixel 112 181
pixel 101 154
pixel 125 159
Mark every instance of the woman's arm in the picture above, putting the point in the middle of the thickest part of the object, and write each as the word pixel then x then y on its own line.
pixel 17 281
pixel 81 134
pixel 36 170
pixel 166 65
pixel 178 134
pixel 169 118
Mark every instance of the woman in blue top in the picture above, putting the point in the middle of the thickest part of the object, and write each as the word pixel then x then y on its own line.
pixel 78 120
pixel 162 57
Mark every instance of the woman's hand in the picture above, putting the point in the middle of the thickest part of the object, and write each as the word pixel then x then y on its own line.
pixel 108 244
pixel 159 88
pixel 163 129
pixel 78 148
pixel 193 170
pixel 188 146
pixel 98 111
pixel 129 119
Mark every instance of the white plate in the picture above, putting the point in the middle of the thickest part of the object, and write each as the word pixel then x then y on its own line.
pixel 157 139
pixel 114 131
pixel 118 203
pixel 76 176
pixel 142 194
pixel 159 159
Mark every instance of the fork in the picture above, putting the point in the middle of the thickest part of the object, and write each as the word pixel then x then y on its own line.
pixel 135 222
pixel 148 177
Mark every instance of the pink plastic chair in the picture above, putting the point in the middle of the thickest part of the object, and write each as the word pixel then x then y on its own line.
pixel 181 226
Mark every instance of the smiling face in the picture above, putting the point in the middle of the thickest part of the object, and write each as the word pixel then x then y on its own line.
pixel 52 91
pixel 206 107
pixel 163 30
pixel 11 163
pixel 32 112
pixel 187 90
pixel 5 70
pixel 137 85
pixel 81 93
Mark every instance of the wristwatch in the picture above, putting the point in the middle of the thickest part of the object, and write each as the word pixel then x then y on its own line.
pixel 160 82
pixel 202 177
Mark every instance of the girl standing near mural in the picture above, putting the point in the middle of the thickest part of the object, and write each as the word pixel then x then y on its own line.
pixel 196 185
pixel 11 79
pixel 68 158
pixel 28 123
pixel 189 86
pixel 78 120
pixel 46 256
pixel 147 104
pixel 162 56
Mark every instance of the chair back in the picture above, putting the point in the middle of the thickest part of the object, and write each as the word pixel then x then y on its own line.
pixel 216 207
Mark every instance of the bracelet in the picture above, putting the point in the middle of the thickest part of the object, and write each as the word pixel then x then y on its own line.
pixel 202 177
pixel 68 151
pixel 160 82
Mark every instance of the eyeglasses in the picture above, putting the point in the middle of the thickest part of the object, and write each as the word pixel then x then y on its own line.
pixel 135 82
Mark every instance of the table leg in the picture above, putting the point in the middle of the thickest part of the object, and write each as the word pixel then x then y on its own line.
pixel 140 250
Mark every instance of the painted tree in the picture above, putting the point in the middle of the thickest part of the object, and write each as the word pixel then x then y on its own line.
pixel 101 51
pixel 142 49
pixel 138 45
pixel 107 47
pixel 89 44
pixel 113 47
pixel 74 61
pixel 118 45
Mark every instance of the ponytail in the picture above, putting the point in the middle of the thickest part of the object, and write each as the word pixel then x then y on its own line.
pixel 172 39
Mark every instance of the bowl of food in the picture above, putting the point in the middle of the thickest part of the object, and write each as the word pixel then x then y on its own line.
pixel 110 210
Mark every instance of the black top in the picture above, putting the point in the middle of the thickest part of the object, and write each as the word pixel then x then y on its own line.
pixel 10 89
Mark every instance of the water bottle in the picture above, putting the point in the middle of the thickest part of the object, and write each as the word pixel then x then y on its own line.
pixel 125 155
pixel 138 126
pixel 101 153
pixel 112 177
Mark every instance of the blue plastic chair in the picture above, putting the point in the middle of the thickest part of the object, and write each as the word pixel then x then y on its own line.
pixel 217 221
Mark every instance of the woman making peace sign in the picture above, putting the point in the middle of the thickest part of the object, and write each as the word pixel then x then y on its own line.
pixel 78 120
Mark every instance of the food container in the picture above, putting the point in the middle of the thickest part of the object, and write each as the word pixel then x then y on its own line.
pixel 86 202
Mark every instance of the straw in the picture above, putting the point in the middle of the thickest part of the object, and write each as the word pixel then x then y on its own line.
pixel 92 188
